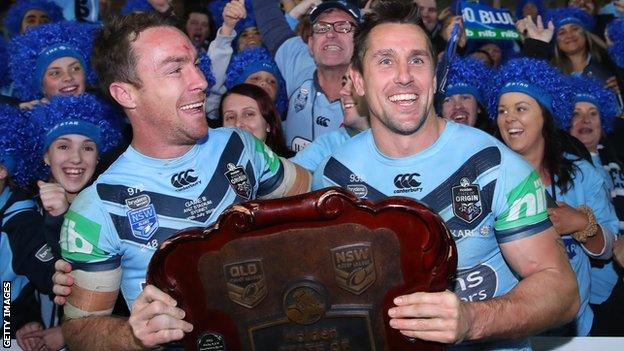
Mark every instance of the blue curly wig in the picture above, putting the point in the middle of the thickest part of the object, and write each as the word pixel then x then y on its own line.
pixel 26 49
pixel 17 135
pixel 5 79
pixel 468 75
pixel 591 90
pixel 570 14
pixel 136 6
pixel 250 61
pixel 541 9
pixel 15 15
pixel 536 78
pixel 216 10
pixel 616 34
pixel 205 65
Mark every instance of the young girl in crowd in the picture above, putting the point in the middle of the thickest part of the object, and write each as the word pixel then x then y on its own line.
pixel 52 59
pixel 72 133
pixel 249 107
pixel 525 99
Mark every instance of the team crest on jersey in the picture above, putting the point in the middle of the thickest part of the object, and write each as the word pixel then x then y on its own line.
pixel 302 99
pixel 467 201
pixel 143 221
pixel 239 181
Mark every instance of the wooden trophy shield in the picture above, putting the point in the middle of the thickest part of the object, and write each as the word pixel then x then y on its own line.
pixel 317 271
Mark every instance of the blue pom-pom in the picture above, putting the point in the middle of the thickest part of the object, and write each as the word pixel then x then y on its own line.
pixel 205 65
pixel 5 78
pixel 136 6
pixel 592 90
pixel 25 50
pixel 570 14
pixel 537 74
pixel 17 137
pixel 252 60
pixel 85 107
pixel 615 29
pixel 15 15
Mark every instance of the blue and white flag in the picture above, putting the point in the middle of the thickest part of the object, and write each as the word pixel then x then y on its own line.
pixel 487 23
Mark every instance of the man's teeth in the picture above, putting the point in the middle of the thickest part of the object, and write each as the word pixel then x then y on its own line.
pixel 402 97
pixel 349 105
pixel 192 106
pixel 460 117
pixel 332 48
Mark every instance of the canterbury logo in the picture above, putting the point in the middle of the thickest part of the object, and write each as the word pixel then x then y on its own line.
pixel 184 178
pixel 403 181
pixel 322 121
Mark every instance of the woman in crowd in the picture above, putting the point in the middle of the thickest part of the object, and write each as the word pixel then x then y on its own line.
pixel 464 96
pixel 249 107
pixel 72 133
pixel 525 98
pixel 595 110
pixel 52 59
pixel 577 50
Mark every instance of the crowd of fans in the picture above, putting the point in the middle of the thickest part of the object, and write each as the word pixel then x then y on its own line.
pixel 286 72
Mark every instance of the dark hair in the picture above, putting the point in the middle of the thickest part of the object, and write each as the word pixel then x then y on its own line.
pixel 556 143
pixel 275 136
pixel 113 58
pixel 198 8
pixel 387 11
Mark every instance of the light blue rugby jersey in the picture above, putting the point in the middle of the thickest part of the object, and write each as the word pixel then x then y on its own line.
pixel 314 154
pixel 141 201
pixel 310 113
pixel 486 194
pixel 588 188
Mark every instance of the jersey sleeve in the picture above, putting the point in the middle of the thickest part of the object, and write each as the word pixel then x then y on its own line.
pixel 520 200
pixel 88 240
pixel 268 169
pixel 295 63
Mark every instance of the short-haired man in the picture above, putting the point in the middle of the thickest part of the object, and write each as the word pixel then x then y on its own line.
pixel 491 200
pixel 313 72
pixel 173 176
pixel 197 27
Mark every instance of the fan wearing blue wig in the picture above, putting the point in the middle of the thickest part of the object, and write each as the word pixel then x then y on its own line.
pixel 465 93
pixel 615 41
pixel 578 51
pixel 52 59
pixel 26 14
pixel 526 98
pixel 26 260
pixel 595 110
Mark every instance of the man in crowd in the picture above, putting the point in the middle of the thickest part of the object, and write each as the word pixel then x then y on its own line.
pixel 313 72
pixel 173 176
pixel 513 279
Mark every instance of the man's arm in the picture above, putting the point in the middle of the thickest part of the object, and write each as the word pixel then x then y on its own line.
pixel 272 24
pixel 547 296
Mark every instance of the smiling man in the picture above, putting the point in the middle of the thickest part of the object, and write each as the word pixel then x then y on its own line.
pixel 174 175
pixel 313 72
pixel 513 276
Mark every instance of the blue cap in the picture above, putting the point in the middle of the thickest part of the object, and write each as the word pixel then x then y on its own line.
pixel 73 126
pixel 570 14
pixel 343 5
pixel 540 95
pixel 51 53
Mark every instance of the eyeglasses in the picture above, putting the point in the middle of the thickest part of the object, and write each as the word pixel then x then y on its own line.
pixel 321 27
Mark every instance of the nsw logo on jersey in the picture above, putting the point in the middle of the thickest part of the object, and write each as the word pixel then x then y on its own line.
pixel 238 181
pixel 467 201
pixel 143 221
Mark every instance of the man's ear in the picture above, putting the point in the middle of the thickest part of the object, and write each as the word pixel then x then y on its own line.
pixel 358 82
pixel 124 93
